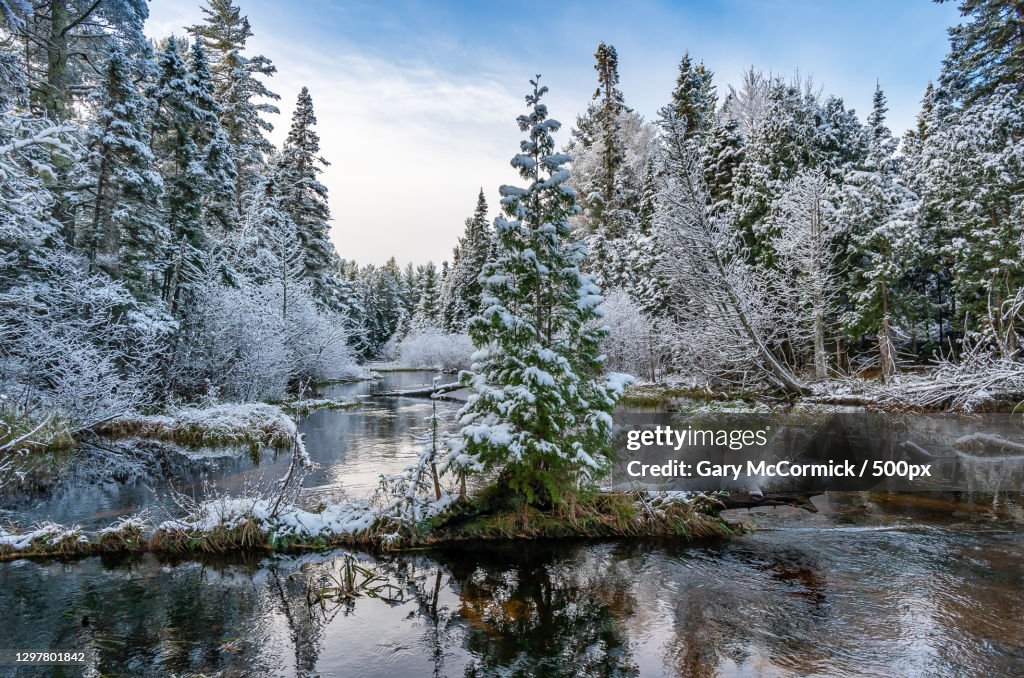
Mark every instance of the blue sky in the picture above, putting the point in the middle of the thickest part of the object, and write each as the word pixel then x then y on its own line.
pixel 416 101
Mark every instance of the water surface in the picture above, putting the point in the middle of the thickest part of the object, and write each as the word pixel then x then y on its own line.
pixel 874 584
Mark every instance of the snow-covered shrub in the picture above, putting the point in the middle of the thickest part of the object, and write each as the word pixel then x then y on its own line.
pixel 317 340
pixel 430 348
pixel 634 343
pixel 230 347
pixel 76 345
pixel 251 342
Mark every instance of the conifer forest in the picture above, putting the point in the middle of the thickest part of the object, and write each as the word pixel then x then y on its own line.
pixel 181 335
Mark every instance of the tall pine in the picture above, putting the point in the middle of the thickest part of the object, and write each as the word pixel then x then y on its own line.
pixel 538 412
pixel 304 198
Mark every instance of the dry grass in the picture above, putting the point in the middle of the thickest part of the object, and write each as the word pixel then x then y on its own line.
pixel 254 424
pixel 248 535
pixel 596 515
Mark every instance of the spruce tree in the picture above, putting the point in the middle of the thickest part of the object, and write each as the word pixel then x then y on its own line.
pixel 986 52
pixel 880 217
pixel 239 88
pixel 123 234
pixel 305 198
pixel 219 205
pixel 428 312
pixel 694 99
pixel 974 186
pixel 538 413
pixel 463 289
pixel 175 119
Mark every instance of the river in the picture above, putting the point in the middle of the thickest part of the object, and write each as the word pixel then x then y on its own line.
pixel 878 584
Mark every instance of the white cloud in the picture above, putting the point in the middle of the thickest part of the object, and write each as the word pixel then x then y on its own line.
pixel 409 145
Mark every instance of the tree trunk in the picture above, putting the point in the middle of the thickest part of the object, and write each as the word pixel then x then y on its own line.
pixel 57 61
pixel 820 356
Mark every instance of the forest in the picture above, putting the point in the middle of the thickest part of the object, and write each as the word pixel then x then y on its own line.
pixel 227 449
pixel 758 237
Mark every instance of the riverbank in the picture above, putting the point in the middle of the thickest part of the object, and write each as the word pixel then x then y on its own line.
pixel 942 389
pixel 260 525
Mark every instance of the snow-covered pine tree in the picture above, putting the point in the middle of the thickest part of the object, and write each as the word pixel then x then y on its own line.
pixel 975 185
pixel 122 233
pixel 381 302
pixel 62 45
pixel 796 131
pixel 987 52
pixel 175 118
pixel 462 292
pixel 304 197
pixel 722 154
pixel 239 88
pixel 538 412
pixel 428 311
pixel 880 216
pixel 694 98
pixel 929 280
pixel 220 209
pixel 410 290
pixel 63 40
pixel 609 185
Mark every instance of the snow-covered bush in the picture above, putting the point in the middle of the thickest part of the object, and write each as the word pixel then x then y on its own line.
pixel 230 347
pixel 76 344
pixel 317 340
pixel 634 343
pixel 251 342
pixel 430 348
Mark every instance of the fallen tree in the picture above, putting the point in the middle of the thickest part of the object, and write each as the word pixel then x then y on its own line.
pixel 423 392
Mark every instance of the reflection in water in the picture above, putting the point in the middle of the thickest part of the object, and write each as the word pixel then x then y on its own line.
pixel 104 480
pixel 875 584
pixel 875 598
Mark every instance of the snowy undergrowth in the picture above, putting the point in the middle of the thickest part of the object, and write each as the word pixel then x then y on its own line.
pixel 430 348
pixel 228 523
pixel 223 424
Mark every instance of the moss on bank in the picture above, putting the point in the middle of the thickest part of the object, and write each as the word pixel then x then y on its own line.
pixel 612 515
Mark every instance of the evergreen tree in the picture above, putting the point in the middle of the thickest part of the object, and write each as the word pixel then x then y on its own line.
pixel 176 117
pixel 929 280
pixel 219 206
pixel 305 197
pixel 797 132
pixel 410 289
pixel 722 156
pixel 381 302
pixel 428 312
pixel 239 88
pixel 986 52
pixel 199 175
pixel 123 234
pixel 694 98
pixel 880 217
pixel 64 39
pixel 537 412
pixel 975 188
pixel 462 292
